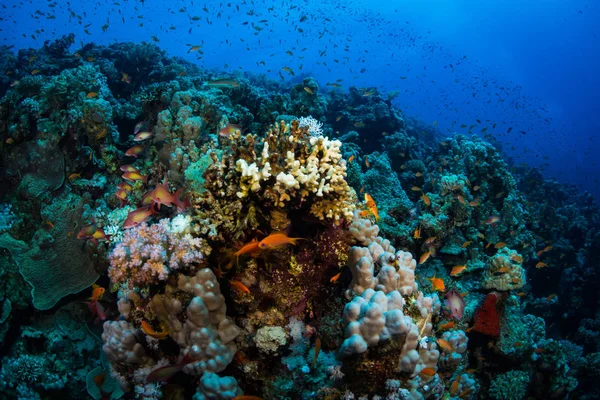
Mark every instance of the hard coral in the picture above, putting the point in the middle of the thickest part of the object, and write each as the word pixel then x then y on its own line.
pixel 149 253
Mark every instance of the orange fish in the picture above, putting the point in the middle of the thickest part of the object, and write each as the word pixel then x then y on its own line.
pixel 369 202
pixel 74 176
pixel 239 286
pixel 148 330
pixel 426 200
pixel 448 325
pixel 125 186
pixel 91 95
pixel 541 265
pixel 437 284
pixel 166 372
pixel 134 176
pixel 424 257
pixel 492 220
pixel 417 234
pixel 87 232
pixel 454 388
pixel 162 196
pixel 416 189
pixel 276 240
pixel 444 344
pixel 364 213
pixel 96 309
pixel 516 258
pixel 500 245
pixel 474 203
pixel 143 136
pixel 502 270
pixel 351 159
pixel 248 248
pixel 466 244
pixel 317 350
pixel 430 240
pixel 366 157
pixel 97 292
pixel 457 270
pixel 335 277
pixel 122 196
pixel 138 216
pixel 548 248
pixel 128 168
pixel 428 372
pixel 134 151
pixel 521 294
pixel 229 129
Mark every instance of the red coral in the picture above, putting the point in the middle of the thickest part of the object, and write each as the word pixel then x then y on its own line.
pixel 487 318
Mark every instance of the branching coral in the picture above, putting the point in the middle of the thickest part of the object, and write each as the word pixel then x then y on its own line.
pixel 151 252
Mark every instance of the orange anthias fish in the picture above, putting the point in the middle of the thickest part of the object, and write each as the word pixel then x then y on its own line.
pixel 134 176
pixel 424 257
pixel 541 265
pixel 97 292
pixel 500 245
pixel 351 159
pixel 372 206
pixel 249 248
pixel 457 270
pixel 97 309
pixel 129 168
pixel 444 344
pixel 239 286
pixel 162 196
pixel 335 277
pixel 317 350
pixel 466 244
pixel 87 232
pixel 148 330
pixel 426 200
pixel 125 186
pixel 276 240
pixel 417 234
pixel 122 196
pixel 229 129
pixel 134 151
pixel 138 216
pixel 427 372
pixel 448 325
pixel 166 372
pixel 143 136
pixel 437 283
pixel 492 220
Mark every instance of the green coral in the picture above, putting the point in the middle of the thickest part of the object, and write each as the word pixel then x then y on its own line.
pixel 511 385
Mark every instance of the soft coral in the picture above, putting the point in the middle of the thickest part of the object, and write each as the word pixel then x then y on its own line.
pixel 487 318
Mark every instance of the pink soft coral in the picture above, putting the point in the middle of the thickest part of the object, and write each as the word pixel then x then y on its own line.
pixel 149 253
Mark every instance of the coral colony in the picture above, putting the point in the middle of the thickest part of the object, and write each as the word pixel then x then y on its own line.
pixel 172 232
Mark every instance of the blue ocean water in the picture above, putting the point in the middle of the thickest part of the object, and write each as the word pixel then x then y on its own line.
pixel 530 68
pixel 299 199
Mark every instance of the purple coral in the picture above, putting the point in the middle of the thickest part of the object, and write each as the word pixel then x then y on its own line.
pixel 151 252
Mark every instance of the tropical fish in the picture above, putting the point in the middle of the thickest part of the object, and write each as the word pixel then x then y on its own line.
pixel 424 257
pixel 372 206
pixel 492 220
pixel 134 176
pixel 229 129
pixel 276 240
pixel 428 372
pixel 351 159
pixel 416 189
pixel 97 309
pixel 144 135
pixel 426 199
pixel 417 234
pixel 335 278
pixel 445 345
pixel 249 248
pixel 540 265
pixel 122 196
pixel 224 82
pixel 91 95
pixel 162 196
pixel 125 186
pixel 138 216
pixel 74 176
pixel 455 303
pixel 166 372
pixel 517 258
pixel 500 245
pixel 317 350
pixel 138 127
pixel 125 77
pixel 87 232
pixel 239 286
pixel 367 161
pixel 437 283
pixel 448 325
pixel 194 48
pixel 148 330
pixel 308 90
pixel 128 168
pixel 457 270
pixel 134 151
pixel 97 292
pixel 466 244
